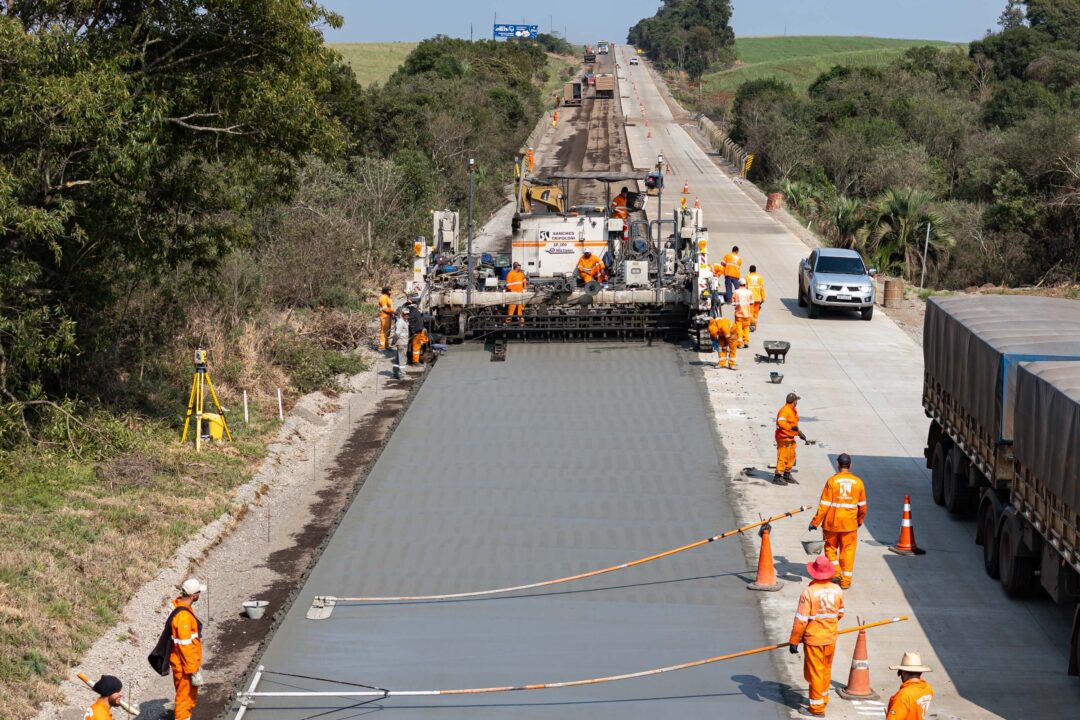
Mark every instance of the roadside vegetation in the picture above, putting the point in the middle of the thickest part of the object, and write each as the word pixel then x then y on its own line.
pixel 373 62
pixel 165 184
pixel 687 36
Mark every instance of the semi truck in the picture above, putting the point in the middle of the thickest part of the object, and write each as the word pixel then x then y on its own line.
pixel 1002 392
pixel 605 85
pixel 590 55
pixel 603 47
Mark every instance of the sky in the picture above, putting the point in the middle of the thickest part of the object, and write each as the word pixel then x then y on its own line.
pixel 382 21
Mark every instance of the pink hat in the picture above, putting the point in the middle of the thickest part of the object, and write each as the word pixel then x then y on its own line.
pixel 821 569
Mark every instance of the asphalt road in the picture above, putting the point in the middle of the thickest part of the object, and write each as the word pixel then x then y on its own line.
pixel 861 384
pixel 563 458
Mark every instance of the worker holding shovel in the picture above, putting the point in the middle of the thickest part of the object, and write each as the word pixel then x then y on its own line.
pixel 787 429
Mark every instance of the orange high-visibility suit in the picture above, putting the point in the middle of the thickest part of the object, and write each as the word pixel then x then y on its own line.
pixel 744 313
pixel 732 270
pixel 100 710
pixel 386 319
pixel 185 660
pixel 618 207
pixel 911 701
pixel 756 283
pixel 515 282
pixel 821 606
pixel 590 268
pixel 531 154
pixel 841 512
pixel 725 339
pixel 787 429
pixel 418 341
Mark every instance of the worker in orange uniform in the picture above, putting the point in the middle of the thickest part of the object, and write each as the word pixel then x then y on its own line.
pixel 756 283
pixel 732 272
pixel 186 656
pixel 386 317
pixel 841 512
pixel 821 606
pixel 787 429
pixel 618 204
pixel 110 690
pixel 516 282
pixel 589 267
pixel 725 340
pixel 555 118
pixel 744 312
pixel 912 700
pixel 531 155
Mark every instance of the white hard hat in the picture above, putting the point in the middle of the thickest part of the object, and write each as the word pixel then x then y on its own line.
pixel 742 281
pixel 192 586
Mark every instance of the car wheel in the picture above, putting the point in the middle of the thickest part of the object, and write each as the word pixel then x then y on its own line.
pixel 867 312
pixel 802 299
pixel 814 308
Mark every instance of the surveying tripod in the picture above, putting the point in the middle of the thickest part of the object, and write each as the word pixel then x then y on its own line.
pixel 200 383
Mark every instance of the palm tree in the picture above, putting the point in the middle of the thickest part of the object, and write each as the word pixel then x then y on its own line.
pixel 799 195
pixel 900 221
pixel 847 221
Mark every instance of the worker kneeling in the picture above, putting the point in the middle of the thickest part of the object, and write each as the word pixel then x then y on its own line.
pixel 821 606
pixel 744 312
pixel 725 340
pixel 589 268
pixel 841 512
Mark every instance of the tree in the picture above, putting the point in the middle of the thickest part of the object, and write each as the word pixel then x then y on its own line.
pixel 701 48
pixel 846 221
pixel 665 37
pixel 900 220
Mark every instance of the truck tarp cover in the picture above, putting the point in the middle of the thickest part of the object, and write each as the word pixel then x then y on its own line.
pixel 1047 438
pixel 971 344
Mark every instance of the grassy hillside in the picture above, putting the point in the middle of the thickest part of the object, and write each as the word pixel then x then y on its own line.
pixel 374 62
pixel 800 59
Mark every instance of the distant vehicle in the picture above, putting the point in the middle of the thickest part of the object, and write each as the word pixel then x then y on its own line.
pixel 634 60
pixel 603 47
pixel 591 79
pixel 590 55
pixel 836 278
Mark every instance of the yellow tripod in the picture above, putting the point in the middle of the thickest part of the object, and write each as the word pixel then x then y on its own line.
pixel 199 385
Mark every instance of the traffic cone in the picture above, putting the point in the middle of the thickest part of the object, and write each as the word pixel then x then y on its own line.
pixel 766 574
pixel 906 544
pixel 697 203
pixel 858 682
pixel 649 135
pixel 685 187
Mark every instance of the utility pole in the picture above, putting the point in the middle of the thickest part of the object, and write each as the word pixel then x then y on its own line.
pixel 468 246
pixel 925 250
pixel 660 229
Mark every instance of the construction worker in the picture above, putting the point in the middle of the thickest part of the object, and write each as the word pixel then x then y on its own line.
pixel 589 267
pixel 618 204
pixel 399 341
pixel 110 690
pixel 186 656
pixel 732 264
pixel 516 282
pixel 415 317
pixel 841 512
pixel 725 340
pixel 787 429
pixel 821 606
pixel 912 700
pixel 386 317
pixel 531 154
pixel 555 118
pixel 744 312
pixel 756 283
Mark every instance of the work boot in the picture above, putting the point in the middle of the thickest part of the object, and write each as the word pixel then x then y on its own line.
pixel 789 479
pixel 778 480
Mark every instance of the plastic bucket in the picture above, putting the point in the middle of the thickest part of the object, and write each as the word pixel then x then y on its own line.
pixel 255 608
pixel 894 293
pixel 813 547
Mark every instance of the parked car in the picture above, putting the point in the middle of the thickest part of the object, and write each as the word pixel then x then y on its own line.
pixel 836 278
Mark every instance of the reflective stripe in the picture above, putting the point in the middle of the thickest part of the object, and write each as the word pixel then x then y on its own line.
pixel 823 616
pixel 851 506
pixel 804 618
pixel 907 507
pixel 178 641
pixel 818 702
pixel 862 503
pixel 848 574
pixel 906 522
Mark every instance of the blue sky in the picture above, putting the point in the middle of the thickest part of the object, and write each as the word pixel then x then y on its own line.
pixel 584 21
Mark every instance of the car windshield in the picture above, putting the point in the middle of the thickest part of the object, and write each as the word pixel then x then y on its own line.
pixel 840 265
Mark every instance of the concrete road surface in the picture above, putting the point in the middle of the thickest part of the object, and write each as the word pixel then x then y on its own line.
pixel 861 387
pixel 563 458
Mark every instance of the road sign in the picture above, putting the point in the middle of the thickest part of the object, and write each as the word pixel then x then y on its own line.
pixel 502 30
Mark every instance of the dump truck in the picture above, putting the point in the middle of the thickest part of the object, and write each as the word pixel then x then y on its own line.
pixel 590 55
pixel 605 85
pixel 1002 391
pixel 603 47
pixel 572 94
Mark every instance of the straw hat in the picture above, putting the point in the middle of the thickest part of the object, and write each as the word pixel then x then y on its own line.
pixel 821 569
pixel 912 662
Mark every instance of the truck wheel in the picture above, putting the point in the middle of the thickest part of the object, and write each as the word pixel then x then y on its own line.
pixel 988 532
pixel 814 309
pixel 1017 573
pixel 956 490
pixel 937 473
pixel 867 313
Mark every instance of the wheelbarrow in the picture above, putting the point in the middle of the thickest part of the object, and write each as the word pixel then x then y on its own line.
pixel 775 350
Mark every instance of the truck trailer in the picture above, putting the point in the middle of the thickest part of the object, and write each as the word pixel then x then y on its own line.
pixel 1002 391
pixel 605 85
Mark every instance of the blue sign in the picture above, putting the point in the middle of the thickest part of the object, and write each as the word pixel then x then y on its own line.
pixel 501 30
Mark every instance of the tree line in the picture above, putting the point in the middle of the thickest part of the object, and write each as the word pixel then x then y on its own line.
pixel 689 35
pixel 173 173
pixel 981 148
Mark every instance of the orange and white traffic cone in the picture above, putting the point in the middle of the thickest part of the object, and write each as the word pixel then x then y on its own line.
pixel 766 573
pixel 858 683
pixel 685 187
pixel 906 544
pixel 697 203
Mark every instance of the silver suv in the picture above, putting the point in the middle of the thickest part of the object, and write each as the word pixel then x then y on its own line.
pixel 836 278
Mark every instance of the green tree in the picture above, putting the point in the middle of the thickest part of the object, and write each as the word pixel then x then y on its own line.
pixel 666 36
pixel 846 220
pixel 900 219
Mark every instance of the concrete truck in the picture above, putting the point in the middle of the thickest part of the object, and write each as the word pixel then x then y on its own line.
pixel 1002 391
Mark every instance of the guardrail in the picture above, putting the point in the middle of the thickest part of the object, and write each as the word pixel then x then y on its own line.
pixel 721 143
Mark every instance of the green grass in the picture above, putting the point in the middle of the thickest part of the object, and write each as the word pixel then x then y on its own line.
pixel 374 62
pixel 799 60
